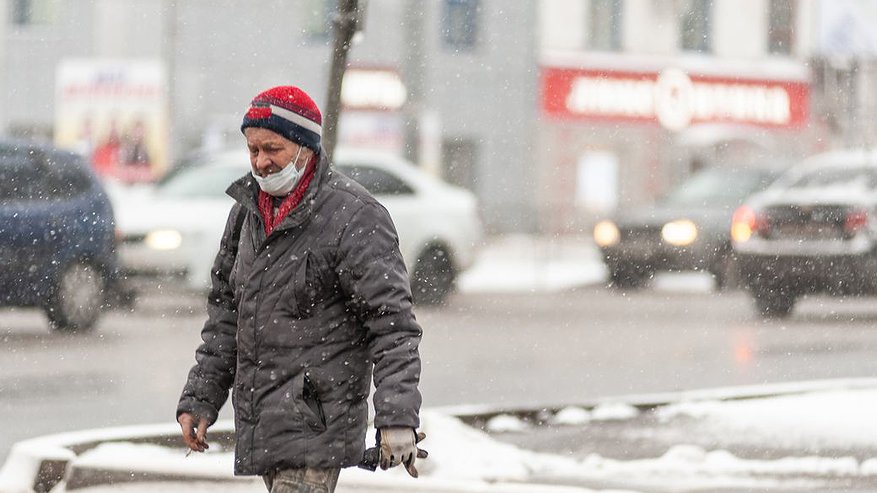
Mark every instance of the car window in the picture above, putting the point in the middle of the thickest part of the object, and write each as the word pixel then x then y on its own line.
pixel 376 181
pixel 857 177
pixel 201 181
pixel 20 180
pixel 65 177
pixel 718 187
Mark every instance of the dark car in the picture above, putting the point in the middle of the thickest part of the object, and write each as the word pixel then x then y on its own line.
pixel 686 231
pixel 56 235
pixel 814 231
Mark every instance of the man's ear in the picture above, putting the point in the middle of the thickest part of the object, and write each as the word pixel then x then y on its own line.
pixel 309 154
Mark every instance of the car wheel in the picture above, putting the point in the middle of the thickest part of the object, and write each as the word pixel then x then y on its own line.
pixel 77 300
pixel 774 303
pixel 433 277
pixel 628 277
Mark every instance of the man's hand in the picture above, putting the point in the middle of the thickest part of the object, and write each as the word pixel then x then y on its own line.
pixel 194 431
pixel 399 446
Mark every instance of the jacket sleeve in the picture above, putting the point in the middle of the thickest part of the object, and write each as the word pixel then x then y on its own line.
pixel 206 389
pixel 372 273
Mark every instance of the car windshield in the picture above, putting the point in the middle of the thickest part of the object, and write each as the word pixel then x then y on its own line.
pixel 860 178
pixel 201 181
pixel 718 188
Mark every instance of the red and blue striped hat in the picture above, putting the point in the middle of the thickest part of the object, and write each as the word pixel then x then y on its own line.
pixel 288 111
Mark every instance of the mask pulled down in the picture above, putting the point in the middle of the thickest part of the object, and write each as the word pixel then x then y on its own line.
pixel 281 183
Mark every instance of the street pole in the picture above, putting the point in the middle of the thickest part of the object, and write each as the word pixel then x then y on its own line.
pixel 170 59
pixel 345 26
pixel 412 72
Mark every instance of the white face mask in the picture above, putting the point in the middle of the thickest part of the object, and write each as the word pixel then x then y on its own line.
pixel 281 183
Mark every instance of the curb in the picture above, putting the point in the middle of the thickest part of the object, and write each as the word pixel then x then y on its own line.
pixel 476 415
pixel 40 464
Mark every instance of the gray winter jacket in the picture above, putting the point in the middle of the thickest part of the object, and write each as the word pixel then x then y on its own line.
pixel 296 323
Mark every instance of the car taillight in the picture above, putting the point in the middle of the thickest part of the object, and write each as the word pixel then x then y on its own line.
pixel 855 221
pixel 746 222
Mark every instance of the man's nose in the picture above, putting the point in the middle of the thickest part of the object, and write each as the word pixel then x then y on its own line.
pixel 262 162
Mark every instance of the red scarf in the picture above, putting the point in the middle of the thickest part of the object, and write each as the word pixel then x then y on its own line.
pixel 266 201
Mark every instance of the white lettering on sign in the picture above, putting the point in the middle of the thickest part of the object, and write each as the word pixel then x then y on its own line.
pixel 675 100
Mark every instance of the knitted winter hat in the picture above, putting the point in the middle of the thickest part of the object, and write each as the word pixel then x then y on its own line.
pixel 290 112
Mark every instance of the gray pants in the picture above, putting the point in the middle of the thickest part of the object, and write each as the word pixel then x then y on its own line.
pixel 304 480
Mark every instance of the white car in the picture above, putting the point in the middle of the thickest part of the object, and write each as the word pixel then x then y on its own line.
pixel 175 227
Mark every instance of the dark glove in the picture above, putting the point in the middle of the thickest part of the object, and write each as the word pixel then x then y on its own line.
pixel 398 445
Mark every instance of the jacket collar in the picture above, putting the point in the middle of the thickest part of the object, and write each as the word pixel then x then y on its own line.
pixel 245 190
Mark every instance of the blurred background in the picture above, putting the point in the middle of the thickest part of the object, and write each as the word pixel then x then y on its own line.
pixel 533 105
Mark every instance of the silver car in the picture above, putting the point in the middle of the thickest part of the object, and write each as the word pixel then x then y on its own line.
pixel 814 231
pixel 175 227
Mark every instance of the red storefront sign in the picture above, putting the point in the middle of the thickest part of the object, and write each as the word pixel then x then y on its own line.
pixel 672 98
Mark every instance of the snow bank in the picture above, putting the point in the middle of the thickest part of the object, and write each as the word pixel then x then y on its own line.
pixel 465 459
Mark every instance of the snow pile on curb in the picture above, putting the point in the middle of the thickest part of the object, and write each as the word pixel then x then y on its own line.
pixel 465 459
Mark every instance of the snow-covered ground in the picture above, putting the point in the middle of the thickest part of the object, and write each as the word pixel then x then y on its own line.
pixel 803 420
pixel 833 416
pixel 818 437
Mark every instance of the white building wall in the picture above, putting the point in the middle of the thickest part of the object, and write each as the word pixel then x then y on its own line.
pixel 740 28
pixel 128 29
pixel 490 96
pixel 562 24
pixel 806 28
pixel 649 27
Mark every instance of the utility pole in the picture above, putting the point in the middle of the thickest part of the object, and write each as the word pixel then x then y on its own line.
pixel 412 66
pixel 344 22
pixel 170 59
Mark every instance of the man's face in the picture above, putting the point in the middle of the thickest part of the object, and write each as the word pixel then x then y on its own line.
pixel 270 152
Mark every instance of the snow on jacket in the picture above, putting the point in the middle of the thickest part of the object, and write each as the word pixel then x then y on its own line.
pixel 298 321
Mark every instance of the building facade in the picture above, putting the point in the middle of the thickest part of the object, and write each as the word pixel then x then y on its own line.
pixel 637 94
pixel 554 112
pixel 464 73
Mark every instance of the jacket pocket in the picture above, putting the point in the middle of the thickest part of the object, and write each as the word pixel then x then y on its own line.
pixel 310 285
pixel 307 401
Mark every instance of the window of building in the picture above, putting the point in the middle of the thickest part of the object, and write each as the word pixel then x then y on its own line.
pixel 30 12
pixel 781 35
pixel 460 23
pixel 696 24
pixel 604 25
pixel 318 19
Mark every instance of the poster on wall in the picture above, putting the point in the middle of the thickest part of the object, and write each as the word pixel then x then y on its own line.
pixel 114 112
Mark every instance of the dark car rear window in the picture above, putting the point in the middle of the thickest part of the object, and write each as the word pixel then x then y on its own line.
pixel 27 175
pixel 18 175
pixel 66 176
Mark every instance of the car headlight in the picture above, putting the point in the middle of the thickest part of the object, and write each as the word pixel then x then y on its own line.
pixel 606 233
pixel 163 239
pixel 681 232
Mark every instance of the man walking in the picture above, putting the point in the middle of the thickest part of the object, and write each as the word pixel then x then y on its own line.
pixel 309 299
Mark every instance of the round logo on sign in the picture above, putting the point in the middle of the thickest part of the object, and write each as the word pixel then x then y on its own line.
pixel 674 99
